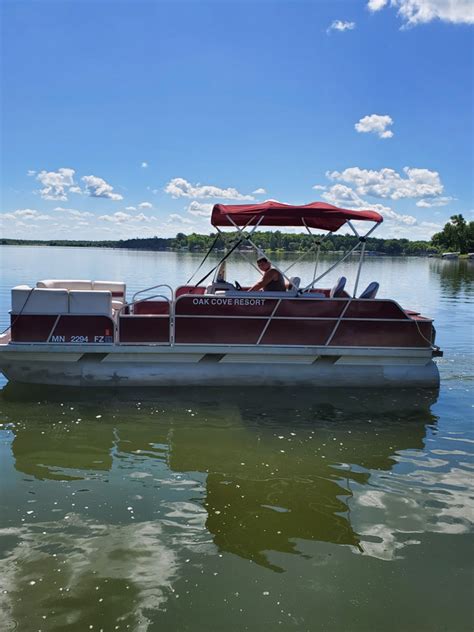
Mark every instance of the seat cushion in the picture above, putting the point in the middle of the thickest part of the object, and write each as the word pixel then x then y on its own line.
pixel 90 302
pixel 295 282
pixel 116 287
pixel 66 284
pixel 39 300
pixel 338 290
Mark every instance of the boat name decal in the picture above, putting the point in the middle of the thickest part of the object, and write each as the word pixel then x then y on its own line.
pixel 229 301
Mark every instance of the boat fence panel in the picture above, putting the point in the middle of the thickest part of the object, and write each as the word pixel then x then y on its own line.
pixel 64 328
pixel 210 319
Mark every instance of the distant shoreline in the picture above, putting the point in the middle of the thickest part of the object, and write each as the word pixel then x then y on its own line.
pixel 276 242
pixel 26 243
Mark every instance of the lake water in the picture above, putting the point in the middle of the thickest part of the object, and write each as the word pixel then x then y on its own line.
pixel 233 509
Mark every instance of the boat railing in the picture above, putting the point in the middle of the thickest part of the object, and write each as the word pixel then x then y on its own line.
pixel 149 289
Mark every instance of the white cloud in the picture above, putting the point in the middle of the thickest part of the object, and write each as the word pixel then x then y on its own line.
pixel 56 184
pixel 387 183
pixel 143 205
pixel 388 213
pixel 73 212
pixel 396 225
pixel 175 217
pixel 199 209
pixel 117 217
pixel 339 25
pixel 120 217
pixel 19 224
pixel 376 5
pixel 430 202
pixel 143 218
pixel 99 188
pixel 377 124
pixel 179 187
pixel 25 214
pixel 415 12
pixel 31 172
pixel 259 191
pixel 319 187
pixel 340 194
pixel 130 208
pixel 144 165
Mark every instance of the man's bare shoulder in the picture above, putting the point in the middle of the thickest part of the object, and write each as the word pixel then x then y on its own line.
pixel 270 275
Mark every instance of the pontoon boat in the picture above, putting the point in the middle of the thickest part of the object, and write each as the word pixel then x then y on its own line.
pixel 83 332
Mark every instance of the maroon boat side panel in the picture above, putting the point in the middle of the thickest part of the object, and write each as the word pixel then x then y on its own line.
pixel 316 308
pixel 218 330
pixel 68 329
pixel 382 334
pixel 31 328
pixel 298 332
pixel 189 289
pixel 205 319
pixel 374 309
pixel 211 305
pixel 244 306
pixel 96 329
pixel 152 307
pixel 144 329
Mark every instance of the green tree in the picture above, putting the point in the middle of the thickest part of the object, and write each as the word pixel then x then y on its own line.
pixel 456 236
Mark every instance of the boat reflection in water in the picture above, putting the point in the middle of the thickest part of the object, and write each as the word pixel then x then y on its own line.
pixel 153 485
pixel 273 474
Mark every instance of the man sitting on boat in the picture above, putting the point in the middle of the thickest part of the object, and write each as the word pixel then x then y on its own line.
pixel 271 281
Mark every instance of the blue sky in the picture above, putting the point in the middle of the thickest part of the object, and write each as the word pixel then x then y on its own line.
pixel 125 119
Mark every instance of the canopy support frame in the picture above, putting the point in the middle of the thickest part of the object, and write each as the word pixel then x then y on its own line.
pixel 242 254
pixel 361 240
pixel 246 237
pixel 258 250
pixel 226 254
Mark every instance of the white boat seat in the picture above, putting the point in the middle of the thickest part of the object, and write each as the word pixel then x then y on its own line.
pixel 65 284
pixel 295 282
pixel 116 287
pixel 371 290
pixel 26 300
pixel 338 290
pixel 90 302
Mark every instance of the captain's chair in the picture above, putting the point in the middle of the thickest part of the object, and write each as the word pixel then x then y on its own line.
pixel 338 290
pixel 371 290
pixel 294 283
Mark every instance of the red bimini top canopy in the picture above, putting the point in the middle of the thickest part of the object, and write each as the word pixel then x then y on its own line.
pixel 314 215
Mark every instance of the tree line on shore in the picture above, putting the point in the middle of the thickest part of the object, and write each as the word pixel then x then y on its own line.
pixel 456 236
